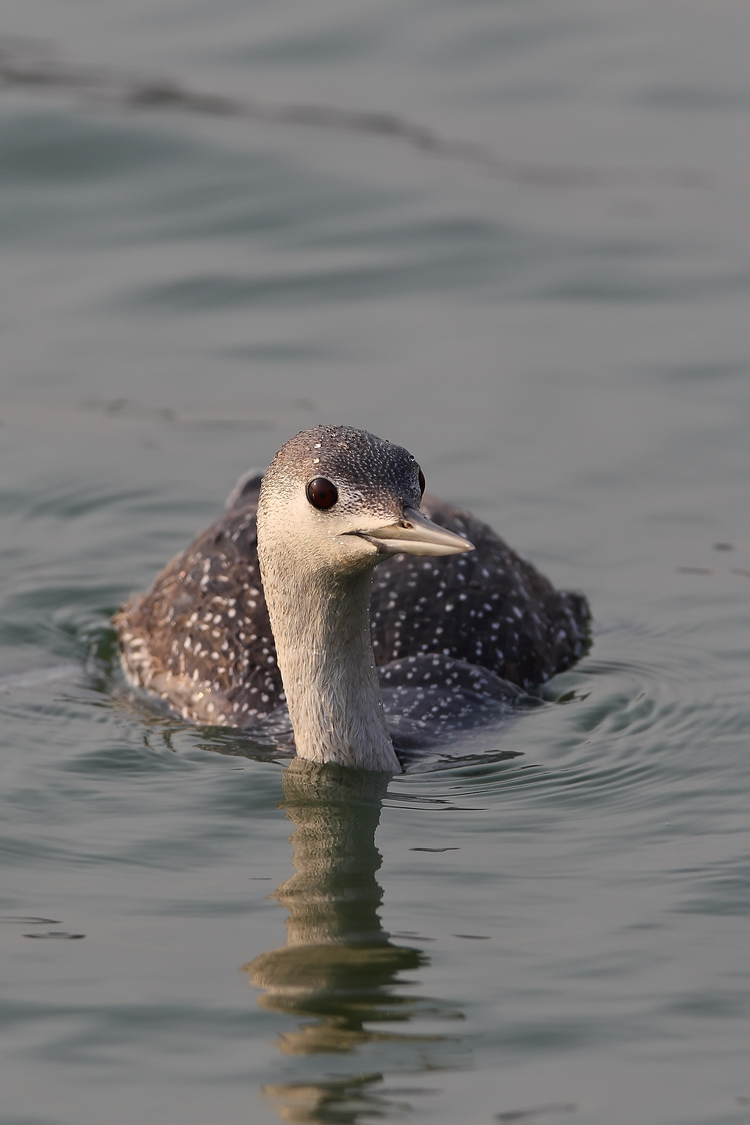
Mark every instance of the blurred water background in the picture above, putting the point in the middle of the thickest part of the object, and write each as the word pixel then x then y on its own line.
pixel 514 236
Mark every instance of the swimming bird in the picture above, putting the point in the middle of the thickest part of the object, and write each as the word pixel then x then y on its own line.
pixel 275 604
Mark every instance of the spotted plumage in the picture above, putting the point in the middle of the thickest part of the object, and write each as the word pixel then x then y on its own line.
pixel 455 639
pixel 489 608
pixel 200 638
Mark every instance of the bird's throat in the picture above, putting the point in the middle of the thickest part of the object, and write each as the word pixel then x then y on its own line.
pixel 322 634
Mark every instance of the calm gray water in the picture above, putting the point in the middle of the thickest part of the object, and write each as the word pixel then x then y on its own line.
pixel 533 270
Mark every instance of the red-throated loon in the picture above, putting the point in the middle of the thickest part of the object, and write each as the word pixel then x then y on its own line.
pixel 276 603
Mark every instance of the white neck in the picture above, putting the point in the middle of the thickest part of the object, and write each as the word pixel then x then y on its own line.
pixel 322 631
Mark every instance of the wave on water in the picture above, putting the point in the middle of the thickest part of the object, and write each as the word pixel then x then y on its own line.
pixel 30 64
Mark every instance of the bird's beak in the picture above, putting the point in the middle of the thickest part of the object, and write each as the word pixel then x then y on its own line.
pixel 416 535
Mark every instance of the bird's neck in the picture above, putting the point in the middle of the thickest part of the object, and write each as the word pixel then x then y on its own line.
pixel 322 631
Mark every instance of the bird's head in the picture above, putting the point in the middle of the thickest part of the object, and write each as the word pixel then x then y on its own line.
pixel 340 500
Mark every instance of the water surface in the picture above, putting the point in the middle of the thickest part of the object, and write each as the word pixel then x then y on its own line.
pixel 514 238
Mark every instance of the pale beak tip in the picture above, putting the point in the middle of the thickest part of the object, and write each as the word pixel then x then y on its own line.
pixel 417 535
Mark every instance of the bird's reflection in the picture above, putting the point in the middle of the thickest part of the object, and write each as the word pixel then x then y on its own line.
pixel 339 967
pixel 338 963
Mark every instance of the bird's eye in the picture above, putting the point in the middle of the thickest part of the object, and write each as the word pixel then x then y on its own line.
pixel 322 493
pixel 421 482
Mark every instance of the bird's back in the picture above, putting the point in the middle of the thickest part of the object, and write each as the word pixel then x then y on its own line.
pixel 201 638
pixel 490 607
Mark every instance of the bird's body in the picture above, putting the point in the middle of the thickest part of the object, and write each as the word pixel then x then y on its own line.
pixel 446 640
